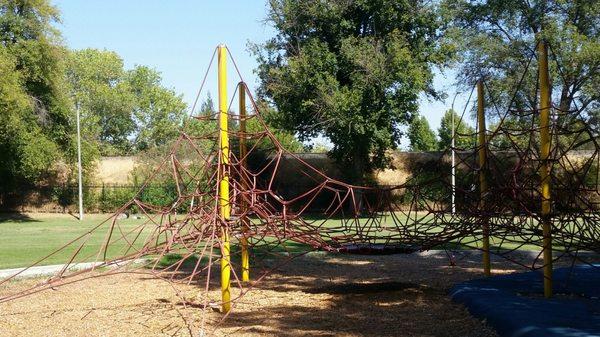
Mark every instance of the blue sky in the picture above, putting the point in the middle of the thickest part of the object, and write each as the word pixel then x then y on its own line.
pixel 178 37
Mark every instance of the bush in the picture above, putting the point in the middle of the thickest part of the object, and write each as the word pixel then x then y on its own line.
pixel 112 198
pixel 163 195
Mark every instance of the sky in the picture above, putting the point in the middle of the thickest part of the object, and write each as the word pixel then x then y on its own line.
pixel 178 38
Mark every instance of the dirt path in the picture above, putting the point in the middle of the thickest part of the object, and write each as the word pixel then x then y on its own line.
pixel 315 295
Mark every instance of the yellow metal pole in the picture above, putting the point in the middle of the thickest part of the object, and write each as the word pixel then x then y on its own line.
pixel 243 152
pixel 483 186
pixel 545 105
pixel 224 206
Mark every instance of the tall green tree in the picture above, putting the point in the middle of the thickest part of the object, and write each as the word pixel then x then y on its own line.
pixel 286 138
pixel 207 108
pixel 351 71
pixel 105 99
pixel 35 126
pixel 497 37
pixel 464 134
pixel 203 125
pixel 421 137
pixel 124 111
pixel 159 112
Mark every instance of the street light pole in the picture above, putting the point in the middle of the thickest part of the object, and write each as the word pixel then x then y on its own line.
pixel 79 170
pixel 453 168
pixel 452 155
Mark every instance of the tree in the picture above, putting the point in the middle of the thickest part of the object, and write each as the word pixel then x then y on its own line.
pixel 159 112
pixel 123 111
pixel 203 125
pixel 207 108
pixel 34 112
pixel 351 71
pixel 421 137
pixel 320 147
pixel 498 37
pixel 287 139
pixel 106 101
pixel 464 134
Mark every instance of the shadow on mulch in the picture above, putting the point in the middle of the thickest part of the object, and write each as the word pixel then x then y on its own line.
pixel 362 296
pixel 363 288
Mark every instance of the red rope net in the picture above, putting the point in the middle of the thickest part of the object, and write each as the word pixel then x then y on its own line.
pixel 180 240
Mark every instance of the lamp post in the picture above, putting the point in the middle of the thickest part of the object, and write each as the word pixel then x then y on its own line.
pixel 453 172
pixel 79 170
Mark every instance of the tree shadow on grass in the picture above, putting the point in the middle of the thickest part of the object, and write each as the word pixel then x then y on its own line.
pixel 16 217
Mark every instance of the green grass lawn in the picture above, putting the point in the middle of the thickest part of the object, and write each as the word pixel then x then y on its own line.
pixel 27 238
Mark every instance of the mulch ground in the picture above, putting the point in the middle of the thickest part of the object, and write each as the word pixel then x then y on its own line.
pixel 318 294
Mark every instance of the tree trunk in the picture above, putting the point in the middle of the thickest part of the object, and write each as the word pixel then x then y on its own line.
pixel 357 178
pixel 565 98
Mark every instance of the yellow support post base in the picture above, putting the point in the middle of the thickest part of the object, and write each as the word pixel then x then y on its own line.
pixel 245 260
pixel 487 265
pixel 225 273
pixel 547 259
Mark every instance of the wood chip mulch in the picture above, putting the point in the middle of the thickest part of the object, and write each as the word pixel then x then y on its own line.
pixel 318 294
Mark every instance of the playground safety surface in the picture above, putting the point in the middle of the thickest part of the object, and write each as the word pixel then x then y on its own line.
pixel 514 304
pixel 318 294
